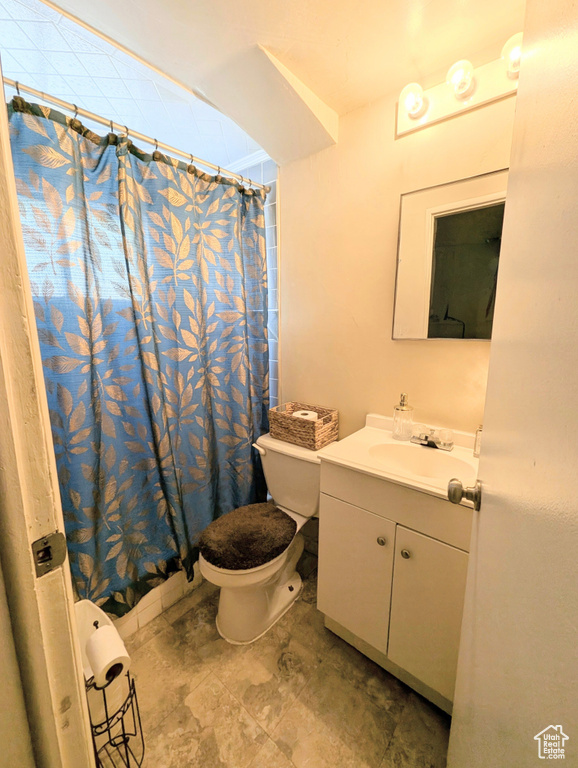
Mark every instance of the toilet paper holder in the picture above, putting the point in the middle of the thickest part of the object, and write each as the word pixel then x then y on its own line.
pixel 117 734
pixel 113 707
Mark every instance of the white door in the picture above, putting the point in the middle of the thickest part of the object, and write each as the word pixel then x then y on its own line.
pixel 429 581
pixel 41 607
pixel 518 663
pixel 14 732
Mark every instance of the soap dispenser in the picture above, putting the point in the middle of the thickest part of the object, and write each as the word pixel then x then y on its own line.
pixel 402 419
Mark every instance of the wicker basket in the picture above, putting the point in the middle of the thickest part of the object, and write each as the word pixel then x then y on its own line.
pixel 308 434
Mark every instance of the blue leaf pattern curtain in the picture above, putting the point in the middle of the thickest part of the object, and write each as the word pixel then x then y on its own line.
pixel 149 286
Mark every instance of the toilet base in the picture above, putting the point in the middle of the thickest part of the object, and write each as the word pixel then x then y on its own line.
pixel 283 600
pixel 246 613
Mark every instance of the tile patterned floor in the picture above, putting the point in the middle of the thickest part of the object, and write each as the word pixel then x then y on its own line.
pixel 300 697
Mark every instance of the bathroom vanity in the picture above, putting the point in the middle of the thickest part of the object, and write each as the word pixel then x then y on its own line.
pixel 393 553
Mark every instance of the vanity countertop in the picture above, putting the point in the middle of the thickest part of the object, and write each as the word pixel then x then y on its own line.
pixel 373 451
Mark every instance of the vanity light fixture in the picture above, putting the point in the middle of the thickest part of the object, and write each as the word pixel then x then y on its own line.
pixel 413 100
pixel 512 55
pixel 465 88
pixel 460 78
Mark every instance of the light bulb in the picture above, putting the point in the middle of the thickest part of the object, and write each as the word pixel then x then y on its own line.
pixel 413 100
pixel 512 55
pixel 461 79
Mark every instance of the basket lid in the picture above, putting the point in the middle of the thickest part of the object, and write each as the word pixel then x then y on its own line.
pixel 289 449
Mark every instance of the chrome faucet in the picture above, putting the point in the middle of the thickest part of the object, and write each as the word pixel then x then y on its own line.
pixel 430 438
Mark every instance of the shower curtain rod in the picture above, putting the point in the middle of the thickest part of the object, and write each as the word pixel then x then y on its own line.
pixel 123 128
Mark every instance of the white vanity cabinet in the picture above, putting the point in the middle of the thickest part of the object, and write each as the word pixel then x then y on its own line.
pixel 392 575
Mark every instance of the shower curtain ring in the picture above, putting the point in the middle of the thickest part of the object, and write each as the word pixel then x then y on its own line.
pixel 75 111
pixel 126 129
pixel 17 86
pixel 192 159
pixel 156 145
pixel 111 127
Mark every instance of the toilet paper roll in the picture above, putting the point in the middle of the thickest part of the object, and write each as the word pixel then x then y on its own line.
pixel 309 415
pixel 107 655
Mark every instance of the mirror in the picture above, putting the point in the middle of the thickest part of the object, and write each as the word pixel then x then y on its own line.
pixel 448 255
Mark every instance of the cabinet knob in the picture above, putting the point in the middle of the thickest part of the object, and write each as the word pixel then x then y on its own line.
pixel 382 541
pixel 405 553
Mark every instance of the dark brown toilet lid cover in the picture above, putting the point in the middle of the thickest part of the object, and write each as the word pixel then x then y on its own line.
pixel 247 537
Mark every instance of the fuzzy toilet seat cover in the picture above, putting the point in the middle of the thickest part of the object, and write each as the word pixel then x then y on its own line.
pixel 247 537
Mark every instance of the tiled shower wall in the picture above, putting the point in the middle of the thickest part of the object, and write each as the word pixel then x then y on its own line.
pixel 266 173
pixel 155 602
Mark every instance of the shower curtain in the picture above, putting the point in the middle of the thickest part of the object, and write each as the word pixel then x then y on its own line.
pixel 149 285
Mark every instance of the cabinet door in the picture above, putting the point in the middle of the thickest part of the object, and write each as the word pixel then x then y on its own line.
pixel 426 609
pixel 355 569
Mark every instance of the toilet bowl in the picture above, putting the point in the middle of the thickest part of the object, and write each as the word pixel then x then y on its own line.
pixel 253 599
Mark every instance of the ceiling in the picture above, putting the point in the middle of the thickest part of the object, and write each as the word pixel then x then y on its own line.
pixel 51 53
pixel 348 52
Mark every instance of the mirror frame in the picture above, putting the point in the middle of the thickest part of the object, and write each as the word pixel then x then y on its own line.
pixel 417 214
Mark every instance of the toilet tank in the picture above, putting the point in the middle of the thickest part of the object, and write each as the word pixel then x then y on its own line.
pixel 292 475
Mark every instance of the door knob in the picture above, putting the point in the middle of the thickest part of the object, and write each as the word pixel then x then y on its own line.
pixel 456 492
pixel 381 540
pixel 406 554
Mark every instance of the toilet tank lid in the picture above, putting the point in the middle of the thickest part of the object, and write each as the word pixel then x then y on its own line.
pixel 280 446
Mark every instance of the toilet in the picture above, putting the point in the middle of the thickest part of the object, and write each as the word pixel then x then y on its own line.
pixel 253 598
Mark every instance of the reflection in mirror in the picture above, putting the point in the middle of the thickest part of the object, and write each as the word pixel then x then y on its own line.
pixel 466 250
pixel 448 256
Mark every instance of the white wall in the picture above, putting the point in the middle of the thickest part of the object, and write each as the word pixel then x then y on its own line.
pixel 518 665
pixel 339 214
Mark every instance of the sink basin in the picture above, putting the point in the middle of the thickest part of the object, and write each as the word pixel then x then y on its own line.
pixel 430 463
pixel 373 450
